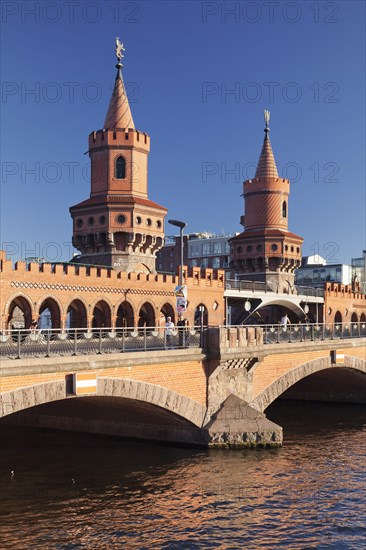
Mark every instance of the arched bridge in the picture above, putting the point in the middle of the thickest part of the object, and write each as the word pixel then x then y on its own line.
pixel 211 389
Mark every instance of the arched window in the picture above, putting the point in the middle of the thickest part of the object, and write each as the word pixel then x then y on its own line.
pixel 120 168
pixel 284 209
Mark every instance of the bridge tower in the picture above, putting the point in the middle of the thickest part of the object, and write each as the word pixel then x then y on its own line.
pixel 266 250
pixel 118 226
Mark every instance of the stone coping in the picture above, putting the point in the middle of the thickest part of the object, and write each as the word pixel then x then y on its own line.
pixel 43 365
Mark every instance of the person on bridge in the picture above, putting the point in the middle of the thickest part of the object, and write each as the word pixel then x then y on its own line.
pixel 285 320
pixel 183 333
pixel 169 327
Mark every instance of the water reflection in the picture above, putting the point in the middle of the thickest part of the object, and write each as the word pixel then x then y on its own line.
pixel 76 491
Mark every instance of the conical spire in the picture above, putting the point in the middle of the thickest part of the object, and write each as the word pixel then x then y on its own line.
pixel 266 165
pixel 119 112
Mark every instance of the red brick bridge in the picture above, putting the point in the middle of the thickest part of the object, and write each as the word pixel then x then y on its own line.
pixel 213 394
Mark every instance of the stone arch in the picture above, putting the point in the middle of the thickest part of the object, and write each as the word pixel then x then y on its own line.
pixel 338 317
pixel 77 314
pixel 277 388
pixel 24 398
pixel 53 305
pixel 47 392
pixel 167 399
pixel 23 303
pixel 354 317
pixel 101 314
pixel 362 318
pixel 125 316
pixel 146 317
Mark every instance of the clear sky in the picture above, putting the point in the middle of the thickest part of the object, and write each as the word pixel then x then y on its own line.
pixel 199 75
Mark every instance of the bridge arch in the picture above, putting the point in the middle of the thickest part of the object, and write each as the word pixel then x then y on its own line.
pixel 159 396
pixel 277 388
pixel 184 407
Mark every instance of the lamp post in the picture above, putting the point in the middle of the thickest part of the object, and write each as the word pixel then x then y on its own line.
pixel 181 226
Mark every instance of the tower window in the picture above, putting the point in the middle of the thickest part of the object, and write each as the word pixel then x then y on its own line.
pixel 284 209
pixel 120 168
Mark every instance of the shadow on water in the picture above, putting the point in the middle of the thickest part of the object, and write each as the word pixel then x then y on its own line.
pixel 314 417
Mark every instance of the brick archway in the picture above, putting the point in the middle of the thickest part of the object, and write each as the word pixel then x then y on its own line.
pixel 267 396
pixel 48 392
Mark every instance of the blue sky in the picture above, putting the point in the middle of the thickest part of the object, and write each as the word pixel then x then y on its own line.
pixel 199 75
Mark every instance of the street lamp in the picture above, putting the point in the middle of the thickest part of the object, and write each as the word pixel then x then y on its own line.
pixel 181 226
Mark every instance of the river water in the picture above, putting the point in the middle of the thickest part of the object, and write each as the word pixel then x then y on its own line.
pixel 80 491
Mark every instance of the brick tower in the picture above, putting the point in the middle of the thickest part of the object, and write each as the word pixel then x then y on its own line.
pixel 266 250
pixel 118 226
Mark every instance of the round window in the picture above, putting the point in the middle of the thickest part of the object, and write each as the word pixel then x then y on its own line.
pixel 158 223
pixel 79 223
pixel 259 248
pixel 91 221
pixel 102 220
pixel 148 221
pixel 120 218
pixel 249 248
pixel 239 249
pixel 274 247
pixel 138 220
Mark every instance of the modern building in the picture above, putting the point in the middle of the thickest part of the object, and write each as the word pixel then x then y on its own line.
pixel 315 272
pixel 205 250
pixel 168 258
pixel 359 271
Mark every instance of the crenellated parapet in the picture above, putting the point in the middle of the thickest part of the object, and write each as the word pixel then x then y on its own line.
pixel 34 287
pixel 119 138
pixel 344 303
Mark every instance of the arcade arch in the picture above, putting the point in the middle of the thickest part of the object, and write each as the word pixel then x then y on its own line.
pixel 125 315
pixel 146 316
pixel 101 315
pixel 77 314
pixel 50 313
pixel 19 313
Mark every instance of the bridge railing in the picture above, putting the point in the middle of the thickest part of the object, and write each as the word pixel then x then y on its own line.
pixel 16 344
pixel 260 286
pixel 241 335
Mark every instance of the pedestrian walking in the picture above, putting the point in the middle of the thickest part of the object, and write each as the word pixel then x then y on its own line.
pixel 169 327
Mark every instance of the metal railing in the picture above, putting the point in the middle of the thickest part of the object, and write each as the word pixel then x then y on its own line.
pixel 317 332
pixel 259 286
pixel 16 344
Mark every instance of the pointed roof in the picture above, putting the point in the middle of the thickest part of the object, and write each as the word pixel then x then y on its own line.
pixel 266 165
pixel 119 112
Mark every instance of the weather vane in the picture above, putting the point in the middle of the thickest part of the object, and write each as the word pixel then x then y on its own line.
pixel 266 117
pixel 119 50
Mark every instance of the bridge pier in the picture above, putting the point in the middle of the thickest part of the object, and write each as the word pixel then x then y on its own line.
pixel 238 425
